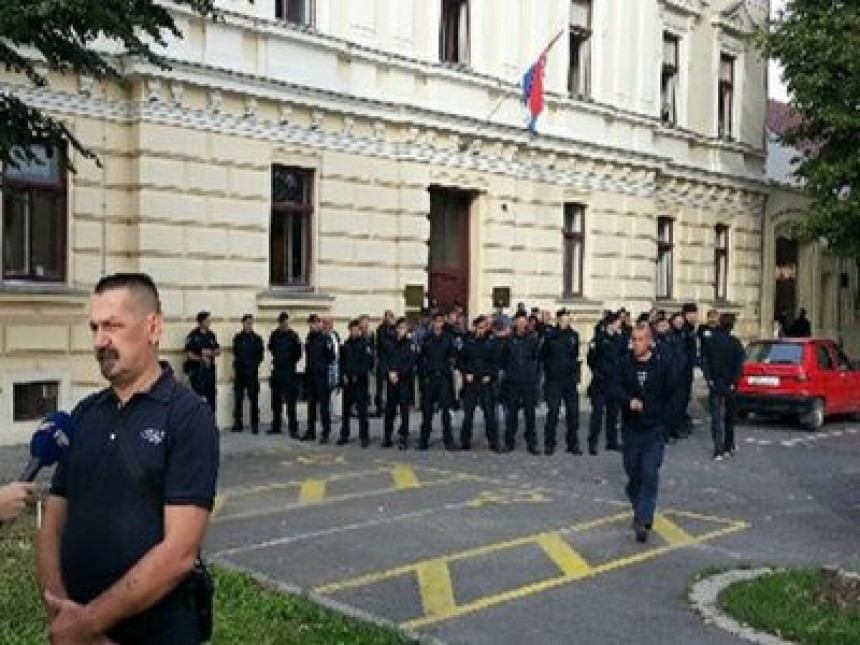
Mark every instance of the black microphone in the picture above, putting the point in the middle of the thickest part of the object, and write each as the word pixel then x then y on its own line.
pixel 49 443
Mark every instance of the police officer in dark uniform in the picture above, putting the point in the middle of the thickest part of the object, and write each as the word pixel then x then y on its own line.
pixel 603 354
pixel 520 361
pixel 454 327
pixel 478 365
pixel 356 362
pixel 247 356
pixel 286 349
pixel 385 335
pixel 438 352
pixel 668 349
pixel 724 365
pixel 201 350
pixel 688 334
pixel 320 354
pixel 560 358
pixel 401 361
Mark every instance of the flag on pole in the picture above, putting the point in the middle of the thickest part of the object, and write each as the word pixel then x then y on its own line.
pixel 533 86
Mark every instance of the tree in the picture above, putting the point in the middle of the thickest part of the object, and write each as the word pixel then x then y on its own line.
pixel 818 44
pixel 62 33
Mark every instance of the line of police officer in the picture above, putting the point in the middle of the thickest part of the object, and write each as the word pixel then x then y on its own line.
pixel 512 367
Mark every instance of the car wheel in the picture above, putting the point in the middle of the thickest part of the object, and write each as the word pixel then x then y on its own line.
pixel 815 419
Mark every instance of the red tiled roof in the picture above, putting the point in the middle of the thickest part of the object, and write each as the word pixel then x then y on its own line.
pixel 779 118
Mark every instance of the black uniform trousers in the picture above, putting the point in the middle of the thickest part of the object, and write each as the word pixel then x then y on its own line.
pixel 378 395
pixel 284 387
pixel 250 383
pixel 603 409
pixel 204 381
pixel 520 395
pixel 319 398
pixel 558 391
pixel 398 397
pixel 355 395
pixel 437 392
pixel 484 395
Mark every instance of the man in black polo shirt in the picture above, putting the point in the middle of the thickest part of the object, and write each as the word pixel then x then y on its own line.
pixel 115 550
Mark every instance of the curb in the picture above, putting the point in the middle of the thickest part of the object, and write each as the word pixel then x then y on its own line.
pixel 704 596
pixel 327 603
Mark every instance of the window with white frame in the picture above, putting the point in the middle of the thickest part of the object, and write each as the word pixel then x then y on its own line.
pixel 665 249
pixel 579 67
pixel 35 216
pixel 297 12
pixel 454 32
pixel 573 235
pixel 290 229
pixel 669 79
pixel 726 97
pixel 721 262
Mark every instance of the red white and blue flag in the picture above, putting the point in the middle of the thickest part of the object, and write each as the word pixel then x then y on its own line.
pixel 533 86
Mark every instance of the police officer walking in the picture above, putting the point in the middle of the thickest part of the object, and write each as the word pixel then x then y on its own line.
pixel 400 364
pixel 643 389
pixel 201 350
pixel 385 335
pixel 247 356
pixel 688 335
pixel 669 351
pixel 478 365
pixel 520 361
pixel 723 362
pixel 286 349
pixel 602 357
pixel 356 362
pixel 438 352
pixel 560 357
pixel 320 354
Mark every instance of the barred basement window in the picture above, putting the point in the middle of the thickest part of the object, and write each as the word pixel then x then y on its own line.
pixel 574 247
pixel 579 67
pixel 290 230
pixel 32 401
pixel 454 32
pixel 721 262
pixel 35 217
pixel 669 80
pixel 665 247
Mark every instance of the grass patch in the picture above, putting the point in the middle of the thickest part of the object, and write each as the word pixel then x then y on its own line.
pixel 783 603
pixel 245 611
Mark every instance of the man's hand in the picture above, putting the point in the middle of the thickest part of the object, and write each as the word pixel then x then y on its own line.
pixel 392 376
pixel 485 380
pixel 469 378
pixel 70 623
pixel 636 405
pixel 14 498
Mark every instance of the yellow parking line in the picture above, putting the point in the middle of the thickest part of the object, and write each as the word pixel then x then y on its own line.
pixel 562 554
pixel 404 477
pixel 671 532
pixel 312 492
pixel 242 491
pixel 434 583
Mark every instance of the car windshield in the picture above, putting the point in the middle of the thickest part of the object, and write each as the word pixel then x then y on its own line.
pixel 775 353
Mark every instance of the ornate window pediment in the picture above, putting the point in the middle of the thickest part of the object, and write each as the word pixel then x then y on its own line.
pixel 736 19
pixel 690 8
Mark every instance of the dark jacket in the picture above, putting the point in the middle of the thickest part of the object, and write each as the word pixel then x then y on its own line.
pixel 286 349
pixel 402 358
pixel 356 358
pixel 320 354
pixel 649 382
pixel 437 355
pixel 195 342
pixel 723 361
pixel 604 352
pixel 669 351
pixel 560 354
pixel 247 353
pixel 386 336
pixel 478 357
pixel 520 358
pixel 688 342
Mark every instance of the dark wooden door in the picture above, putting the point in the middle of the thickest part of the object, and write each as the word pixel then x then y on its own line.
pixel 448 265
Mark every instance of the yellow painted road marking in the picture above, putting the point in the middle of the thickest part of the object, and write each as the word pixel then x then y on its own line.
pixel 509 496
pixel 671 532
pixel 434 583
pixel 404 477
pixel 312 492
pixel 241 491
pixel 562 554
pixel 433 575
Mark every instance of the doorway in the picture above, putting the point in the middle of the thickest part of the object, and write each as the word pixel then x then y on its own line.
pixel 448 258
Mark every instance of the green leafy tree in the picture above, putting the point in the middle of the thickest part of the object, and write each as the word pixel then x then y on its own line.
pixel 42 36
pixel 818 44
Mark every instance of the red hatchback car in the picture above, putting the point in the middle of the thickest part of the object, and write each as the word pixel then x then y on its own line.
pixel 807 378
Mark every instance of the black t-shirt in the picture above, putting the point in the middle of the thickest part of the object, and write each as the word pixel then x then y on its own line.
pixel 112 523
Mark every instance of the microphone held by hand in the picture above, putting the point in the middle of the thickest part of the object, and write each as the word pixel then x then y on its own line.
pixel 48 444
